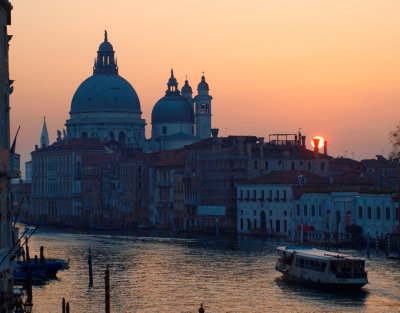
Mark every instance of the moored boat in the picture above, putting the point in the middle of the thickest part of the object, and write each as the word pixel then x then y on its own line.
pixel 322 268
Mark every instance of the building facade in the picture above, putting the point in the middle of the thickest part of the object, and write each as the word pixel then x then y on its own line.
pixel 6 231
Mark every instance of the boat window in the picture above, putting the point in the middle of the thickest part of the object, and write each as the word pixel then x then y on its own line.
pixel 301 262
pixel 333 266
pixel 307 263
pixel 323 266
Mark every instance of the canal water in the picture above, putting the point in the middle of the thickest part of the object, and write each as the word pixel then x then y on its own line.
pixel 160 273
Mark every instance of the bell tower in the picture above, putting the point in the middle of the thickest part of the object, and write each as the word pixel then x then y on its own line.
pixel 203 109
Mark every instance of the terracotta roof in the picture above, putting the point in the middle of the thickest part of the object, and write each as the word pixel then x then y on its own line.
pixel 342 160
pixel 289 178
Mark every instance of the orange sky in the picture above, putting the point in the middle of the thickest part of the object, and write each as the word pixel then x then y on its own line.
pixel 329 67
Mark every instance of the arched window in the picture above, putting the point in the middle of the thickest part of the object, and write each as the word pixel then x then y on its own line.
pixel 121 137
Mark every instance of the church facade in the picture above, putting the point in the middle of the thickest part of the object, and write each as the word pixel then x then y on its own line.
pixel 106 106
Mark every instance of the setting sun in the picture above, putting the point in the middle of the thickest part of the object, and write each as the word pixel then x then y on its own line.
pixel 320 144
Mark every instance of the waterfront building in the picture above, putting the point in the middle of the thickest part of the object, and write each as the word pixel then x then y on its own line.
pixel 56 179
pixel 331 211
pixel 114 192
pixel 166 172
pixel 6 171
pixel 215 166
pixel 265 203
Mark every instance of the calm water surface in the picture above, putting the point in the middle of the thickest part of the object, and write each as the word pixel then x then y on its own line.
pixel 165 274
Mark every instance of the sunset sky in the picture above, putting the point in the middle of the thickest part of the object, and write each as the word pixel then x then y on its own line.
pixel 330 68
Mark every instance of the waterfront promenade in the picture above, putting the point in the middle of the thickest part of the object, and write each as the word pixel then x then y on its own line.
pixel 155 272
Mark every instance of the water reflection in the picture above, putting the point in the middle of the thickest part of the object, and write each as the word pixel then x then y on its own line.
pixel 156 272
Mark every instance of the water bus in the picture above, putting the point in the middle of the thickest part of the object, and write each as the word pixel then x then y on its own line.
pixel 321 268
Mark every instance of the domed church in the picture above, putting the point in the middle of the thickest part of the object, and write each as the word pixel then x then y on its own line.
pixel 105 105
pixel 178 119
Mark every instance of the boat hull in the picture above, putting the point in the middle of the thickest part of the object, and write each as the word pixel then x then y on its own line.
pixel 336 286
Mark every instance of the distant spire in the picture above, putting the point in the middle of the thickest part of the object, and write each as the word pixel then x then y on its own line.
pixel 105 35
pixel 172 72
pixel 44 138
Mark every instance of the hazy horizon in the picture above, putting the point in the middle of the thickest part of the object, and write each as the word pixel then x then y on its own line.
pixel 329 68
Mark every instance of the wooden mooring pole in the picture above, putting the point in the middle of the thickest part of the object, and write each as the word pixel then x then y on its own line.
pixel 107 290
pixel 63 305
pixel 90 267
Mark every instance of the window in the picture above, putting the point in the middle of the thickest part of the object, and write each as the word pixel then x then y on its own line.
pixel 309 166
pixel 298 210
pixel 378 213
pixel 360 212
pixel 164 130
pixel 262 195
pixel 305 210
pixel 255 165
pixel 319 210
pixel 270 213
pixel 254 212
pixel 266 165
pixel 292 166
pixel 312 210
pixel 369 212
pixel 241 223
pixel 387 213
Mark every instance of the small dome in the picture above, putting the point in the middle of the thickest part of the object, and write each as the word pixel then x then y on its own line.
pixel 186 88
pixel 173 108
pixel 203 85
pixel 105 93
pixel 106 47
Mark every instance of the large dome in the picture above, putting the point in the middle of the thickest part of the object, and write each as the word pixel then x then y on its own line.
pixel 105 93
pixel 173 108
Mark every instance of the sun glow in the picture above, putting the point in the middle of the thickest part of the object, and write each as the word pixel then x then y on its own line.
pixel 321 142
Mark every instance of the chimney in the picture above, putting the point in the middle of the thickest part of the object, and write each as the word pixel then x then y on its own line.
pixel 325 148
pixel 316 149
pixel 303 141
